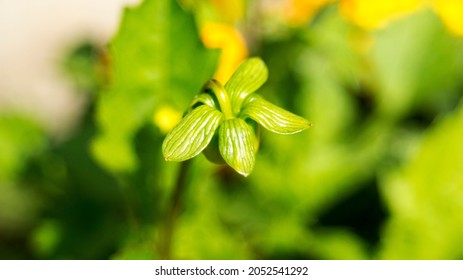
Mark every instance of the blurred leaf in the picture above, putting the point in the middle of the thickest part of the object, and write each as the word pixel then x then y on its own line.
pixel 416 62
pixel 285 235
pixel 157 57
pixel 326 68
pixel 339 244
pixel 138 246
pixel 114 150
pixel 18 209
pixel 343 148
pixel 20 139
pixel 84 65
pixel 45 238
pixel 322 77
pixel 203 232
pixel 140 252
pixel 425 197
pixel 202 236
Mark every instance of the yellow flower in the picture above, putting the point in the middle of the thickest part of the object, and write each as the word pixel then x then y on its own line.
pixel 451 12
pixel 232 44
pixel 298 12
pixel 376 14
pixel 166 118
pixel 230 11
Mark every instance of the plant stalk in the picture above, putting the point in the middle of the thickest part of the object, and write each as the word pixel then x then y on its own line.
pixel 173 210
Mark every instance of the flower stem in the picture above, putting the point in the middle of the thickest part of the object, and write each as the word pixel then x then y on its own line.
pixel 173 211
pixel 222 97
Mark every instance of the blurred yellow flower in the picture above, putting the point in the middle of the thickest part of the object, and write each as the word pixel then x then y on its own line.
pixel 232 44
pixel 451 12
pixel 376 14
pixel 230 11
pixel 166 118
pixel 298 12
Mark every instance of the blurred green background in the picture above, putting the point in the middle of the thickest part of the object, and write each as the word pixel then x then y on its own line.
pixel 378 176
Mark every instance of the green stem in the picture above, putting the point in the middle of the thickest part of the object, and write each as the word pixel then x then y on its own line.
pixel 173 212
pixel 222 97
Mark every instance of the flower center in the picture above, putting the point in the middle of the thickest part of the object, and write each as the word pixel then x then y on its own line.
pixel 215 87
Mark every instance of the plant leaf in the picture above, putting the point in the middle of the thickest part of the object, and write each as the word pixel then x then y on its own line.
pixel 236 145
pixel 20 139
pixel 273 117
pixel 191 136
pixel 429 181
pixel 250 76
pixel 156 58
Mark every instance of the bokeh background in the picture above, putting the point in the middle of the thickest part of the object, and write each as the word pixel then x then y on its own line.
pixel 88 91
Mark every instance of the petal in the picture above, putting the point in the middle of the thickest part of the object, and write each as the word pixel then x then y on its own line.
pixel 250 76
pixel 203 98
pixel 236 145
pixel 273 117
pixel 192 134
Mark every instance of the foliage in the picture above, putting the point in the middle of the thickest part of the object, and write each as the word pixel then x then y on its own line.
pixel 425 197
pixel 156 58
pixel 20 138
pixel 376 177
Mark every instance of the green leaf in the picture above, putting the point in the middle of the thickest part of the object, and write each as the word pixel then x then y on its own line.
pixel 409 79
pixel 424 196
pixel 20 139
pixel 157 58
pixel 273 117
pixel 250 76
pixel 114 150
pixel 236 145
pixel 191 136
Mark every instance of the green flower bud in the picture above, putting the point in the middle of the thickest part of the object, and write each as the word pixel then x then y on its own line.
pixel 223 121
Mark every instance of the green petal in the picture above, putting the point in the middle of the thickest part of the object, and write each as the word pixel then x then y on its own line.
pixel 249 77
pixel 203 98
pixel 273 117
pixel 192 134
pixel 236 145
